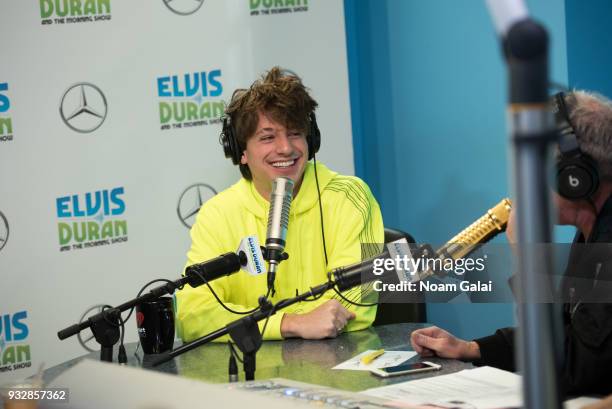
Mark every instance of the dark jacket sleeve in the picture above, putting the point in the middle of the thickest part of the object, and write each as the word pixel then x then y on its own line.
pixel 497 350
pixel 588 350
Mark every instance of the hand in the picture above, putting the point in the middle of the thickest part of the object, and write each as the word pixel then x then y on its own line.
pixel 435 341
pixel 602 404
pixel 325 321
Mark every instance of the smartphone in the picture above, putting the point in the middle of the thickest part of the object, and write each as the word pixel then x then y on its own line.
pixel 405 368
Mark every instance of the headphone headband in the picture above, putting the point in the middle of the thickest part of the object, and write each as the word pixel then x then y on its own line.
pixel 233 151
pixel 577 174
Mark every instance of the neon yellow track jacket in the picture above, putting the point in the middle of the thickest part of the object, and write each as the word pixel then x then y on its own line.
pixel 351 217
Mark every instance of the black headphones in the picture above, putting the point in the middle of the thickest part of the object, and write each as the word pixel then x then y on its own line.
pixel 577 174
pixel 232 150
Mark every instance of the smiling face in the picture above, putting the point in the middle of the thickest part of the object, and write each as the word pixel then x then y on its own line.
pixel 274 151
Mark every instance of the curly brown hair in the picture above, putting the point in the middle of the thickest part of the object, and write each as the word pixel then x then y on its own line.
pixel 281 95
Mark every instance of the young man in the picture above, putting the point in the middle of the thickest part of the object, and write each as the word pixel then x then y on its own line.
pixel 587 317
pixel 270 131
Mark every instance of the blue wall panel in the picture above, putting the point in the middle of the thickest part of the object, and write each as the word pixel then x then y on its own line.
pixel 589 45
pixel 428 94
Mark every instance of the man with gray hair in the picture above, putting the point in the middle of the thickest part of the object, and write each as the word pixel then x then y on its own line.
pixel 584 200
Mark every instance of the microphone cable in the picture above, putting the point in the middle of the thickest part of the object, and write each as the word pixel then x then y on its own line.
pixel 205 281
pixel 122 355
pixel 314 158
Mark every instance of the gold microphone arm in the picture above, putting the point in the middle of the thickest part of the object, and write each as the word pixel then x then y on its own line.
pixel 493 222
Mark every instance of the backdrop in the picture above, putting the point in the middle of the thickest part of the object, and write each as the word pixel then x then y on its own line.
pixel 109 125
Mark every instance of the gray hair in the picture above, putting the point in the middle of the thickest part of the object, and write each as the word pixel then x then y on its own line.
pixel 591 116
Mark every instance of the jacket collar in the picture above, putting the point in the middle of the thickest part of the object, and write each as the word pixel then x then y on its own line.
pixel 305 200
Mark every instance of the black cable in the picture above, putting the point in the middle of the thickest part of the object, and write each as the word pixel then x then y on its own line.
pixel 159 280
pixel 234 352
pixel 314 158
pixel 205 281
pixel 325 247
pixel 314 297
pixel 122 356
pixel 263 330
pixel 353 302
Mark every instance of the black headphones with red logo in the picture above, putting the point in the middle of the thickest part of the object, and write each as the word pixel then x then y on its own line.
pixel 577 173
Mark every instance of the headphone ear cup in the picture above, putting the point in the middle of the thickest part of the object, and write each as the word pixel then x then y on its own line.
pixel 577 178
pixel 229 142
pixel 314 137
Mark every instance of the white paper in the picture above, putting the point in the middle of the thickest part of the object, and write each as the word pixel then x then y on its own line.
pixel 386 360
pixel 480 388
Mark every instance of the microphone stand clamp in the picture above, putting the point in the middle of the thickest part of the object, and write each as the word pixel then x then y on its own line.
pixel 105 328
pixel 245 334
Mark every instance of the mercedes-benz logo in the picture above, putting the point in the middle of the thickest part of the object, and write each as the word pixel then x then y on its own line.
pixel 83 107
pixel 183 7
pixel 4 231
pixel 191 200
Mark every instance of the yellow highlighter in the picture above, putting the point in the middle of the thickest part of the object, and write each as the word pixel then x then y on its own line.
pixel 369 358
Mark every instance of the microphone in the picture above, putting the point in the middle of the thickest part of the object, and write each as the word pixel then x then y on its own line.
pixel 248 257
pixel 493 222
pixel 357 274
pixel 525 45
pixel 278 219
pixel 505 13
pixel 489 225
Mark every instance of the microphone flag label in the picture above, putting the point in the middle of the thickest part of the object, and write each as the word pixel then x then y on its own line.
pixel 255 261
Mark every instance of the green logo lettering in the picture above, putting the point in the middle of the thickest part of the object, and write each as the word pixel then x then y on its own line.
pixel 6 126
pixel 120 228
pixel 104 7
pixel 65 233
pixel 46 8
pixel 165 112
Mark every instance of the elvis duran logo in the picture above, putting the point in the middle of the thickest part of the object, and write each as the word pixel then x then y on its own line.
pixel 267 7
pixel 74 11
pixel 190 99
pixel 91 219
pixel 6 123
pixel 14 351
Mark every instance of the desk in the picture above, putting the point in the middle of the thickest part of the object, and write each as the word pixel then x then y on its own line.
pixel 295 359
